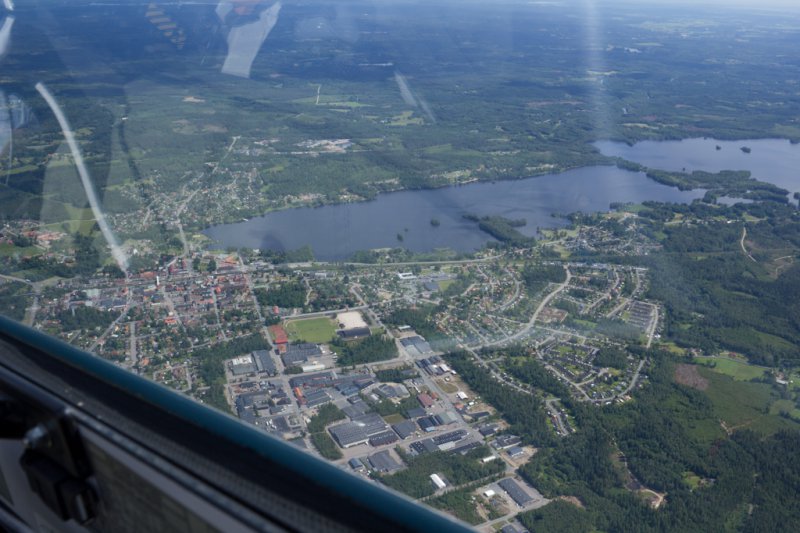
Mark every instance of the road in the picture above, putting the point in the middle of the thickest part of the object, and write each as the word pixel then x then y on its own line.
pixel 651 330
pixel 635 378
pixel 110 328
pixel 741 243
pixel 551 405
pixel 317 314
pixel 526 329
pixel 424 263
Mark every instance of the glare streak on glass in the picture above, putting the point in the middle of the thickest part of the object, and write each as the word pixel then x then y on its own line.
pixel 596 66
pixel 6 127
pixel 409 97
pixel 5 35
pixel 86 180
pixel 245 41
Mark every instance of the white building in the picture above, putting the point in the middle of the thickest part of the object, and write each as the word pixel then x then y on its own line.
pixel 438 481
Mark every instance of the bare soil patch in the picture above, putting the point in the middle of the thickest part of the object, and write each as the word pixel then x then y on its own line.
pixel 689 376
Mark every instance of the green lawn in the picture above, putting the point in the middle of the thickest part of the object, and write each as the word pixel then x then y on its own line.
pixel 317 330
pixel 691 479
pixel 787 406
pixel 738 370
pixel 394 419
pixel 445 283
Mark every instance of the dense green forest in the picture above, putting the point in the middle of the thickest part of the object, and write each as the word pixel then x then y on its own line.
pixel 523 411
pixel 85 318
pixel 14 298
pixel 455 468
pixel 388 407
pixel 368 350
pixel 537 276
pixel 611 357
pixel 397 375
pixel 326 415
pixel 533 373
pixel 287 295
pixel 667 435
pixel 503 229
pixel 325 445
pixel 714 294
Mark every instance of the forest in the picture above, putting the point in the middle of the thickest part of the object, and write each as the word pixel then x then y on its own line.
pixel 524 412
pixel 374 348
pixel 14 299
pixel 715 295
pixel 286 296
pixel 536 276
pixel 325 446
pixel 661 439
pixel 455 468
pixel 83 317
pixel 326 414
pixel 397 375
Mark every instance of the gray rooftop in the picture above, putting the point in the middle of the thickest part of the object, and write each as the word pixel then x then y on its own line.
pixel 384 462
pixel 405 428
pixel 359 430
pixel 515 491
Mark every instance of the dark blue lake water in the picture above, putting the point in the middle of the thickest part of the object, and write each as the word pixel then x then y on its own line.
pixel 334 232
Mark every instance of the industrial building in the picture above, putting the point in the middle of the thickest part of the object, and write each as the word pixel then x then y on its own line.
pixel 424 446
pixel 391 390
pixel 515 452
pixel 513 489
pixel 427 423
pixel 321 380
pixel 384 462
pixel 317 398
pixel 488 430
pixel 353 333
pixel 425 400
pixel 355 409
pixel 465 447
pixel 264 362
pixel 453 436
pixel 359 430
pixel 416 412
pixel 405 428
pixel 438 482
pixel 416 346
pixel 506 441
pixel 297 354
pixel 242 365
pixel 356 464
pixel 383 438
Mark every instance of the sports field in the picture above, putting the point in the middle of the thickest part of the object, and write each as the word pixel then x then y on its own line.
pixel 316 330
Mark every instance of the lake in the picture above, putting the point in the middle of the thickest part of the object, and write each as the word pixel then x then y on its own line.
pixel 775 161
pixel 335 232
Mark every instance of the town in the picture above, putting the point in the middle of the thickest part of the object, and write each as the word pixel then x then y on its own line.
pixel 350 361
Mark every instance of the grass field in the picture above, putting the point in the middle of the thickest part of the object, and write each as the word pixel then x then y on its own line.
pixel 394 419
pixel 787 406
pixel 742 404
pixel 317 330
pixel 738 370
pixel 691 479
pixel 445 283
